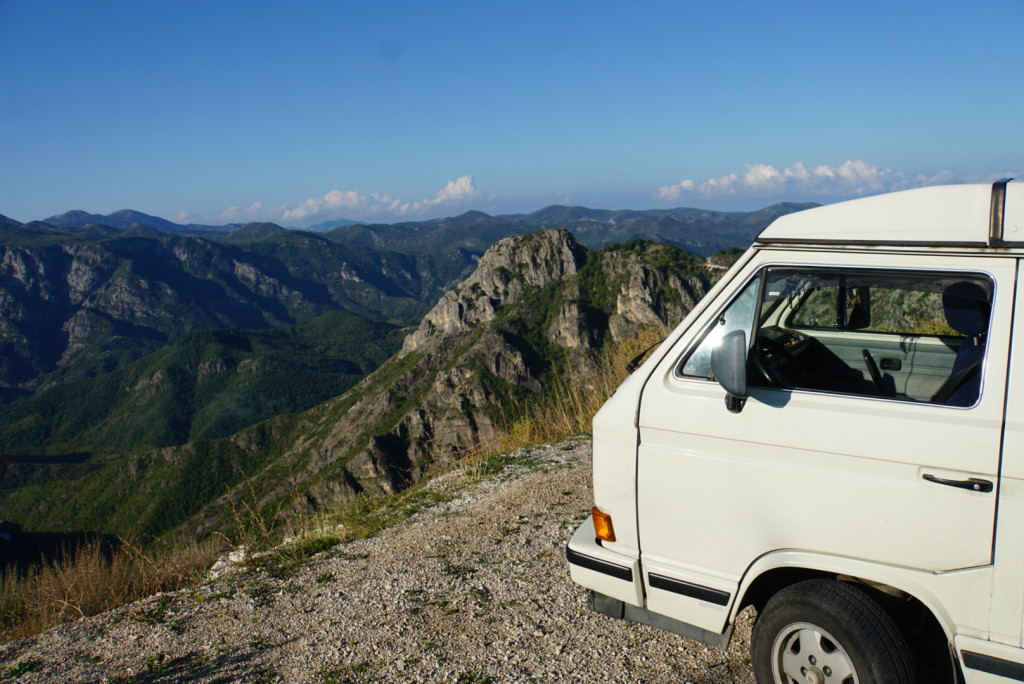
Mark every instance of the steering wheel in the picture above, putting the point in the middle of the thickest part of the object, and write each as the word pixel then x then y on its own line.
pixel 766 346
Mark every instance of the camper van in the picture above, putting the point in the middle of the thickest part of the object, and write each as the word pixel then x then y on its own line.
pixel 834 436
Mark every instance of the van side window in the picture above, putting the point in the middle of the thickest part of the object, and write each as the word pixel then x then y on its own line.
pixel 738 315
pixel 910 335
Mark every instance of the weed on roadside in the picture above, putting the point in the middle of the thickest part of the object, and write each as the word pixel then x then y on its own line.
pixel 352 674
pixel 262 675
pixel 284 563
pixel 158 615
pixel 155 664
pixel 252 528
pixel 364 515
pixel 258 642
pixel 24 667
pixel 261 593
pixel 123 679
pixel 457 571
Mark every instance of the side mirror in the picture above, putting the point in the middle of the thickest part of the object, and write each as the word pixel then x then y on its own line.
pixel 729 368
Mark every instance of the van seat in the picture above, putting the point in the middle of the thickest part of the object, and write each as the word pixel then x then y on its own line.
pixel 967 309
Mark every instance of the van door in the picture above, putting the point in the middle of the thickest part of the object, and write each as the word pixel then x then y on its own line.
pixel 825 458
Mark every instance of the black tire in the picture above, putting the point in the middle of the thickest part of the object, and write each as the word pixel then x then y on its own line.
pixel 828 632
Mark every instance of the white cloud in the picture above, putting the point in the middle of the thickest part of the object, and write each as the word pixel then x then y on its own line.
pixel 315 206
pixel 253 212
pixel 455 193
pixel 355 205
pixel 457 190
pixel 337 198
pixel 851 178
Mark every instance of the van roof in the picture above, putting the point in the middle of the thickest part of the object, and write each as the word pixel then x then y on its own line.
pixel 970 215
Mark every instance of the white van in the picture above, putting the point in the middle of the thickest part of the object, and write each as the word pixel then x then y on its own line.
pixel 835 435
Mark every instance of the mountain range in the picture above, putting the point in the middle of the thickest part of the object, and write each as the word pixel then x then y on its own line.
pixel 700 231
pixel 533 313
pixel 72 306
pixel 83 293
pixel 128 217
pixel 151 377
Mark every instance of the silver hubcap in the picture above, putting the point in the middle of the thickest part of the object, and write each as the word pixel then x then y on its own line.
pixel 806 654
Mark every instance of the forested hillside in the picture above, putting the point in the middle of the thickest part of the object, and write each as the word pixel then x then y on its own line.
pixel 204 385
pixel 75 307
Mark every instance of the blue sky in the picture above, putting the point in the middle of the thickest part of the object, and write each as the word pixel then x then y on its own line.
pixel 302 112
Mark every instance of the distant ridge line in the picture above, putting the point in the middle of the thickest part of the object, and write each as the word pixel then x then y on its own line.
pixel 549 215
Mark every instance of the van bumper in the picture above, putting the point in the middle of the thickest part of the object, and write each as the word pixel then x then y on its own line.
pixel 616 587
pixel 602 571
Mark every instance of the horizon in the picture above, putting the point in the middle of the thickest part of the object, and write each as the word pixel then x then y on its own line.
pixel 304 113
pixel 435 218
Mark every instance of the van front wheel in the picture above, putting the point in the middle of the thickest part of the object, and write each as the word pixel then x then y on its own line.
pixel 828 632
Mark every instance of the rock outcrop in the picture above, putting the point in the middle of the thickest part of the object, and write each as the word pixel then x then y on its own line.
pixel 649 295
pixel 462 371
pixel 508 268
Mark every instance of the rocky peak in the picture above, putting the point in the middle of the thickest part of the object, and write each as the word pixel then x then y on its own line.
pixel 505 270
pixel 649 295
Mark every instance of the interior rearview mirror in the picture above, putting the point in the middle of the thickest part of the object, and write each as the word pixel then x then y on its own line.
pixel 729 367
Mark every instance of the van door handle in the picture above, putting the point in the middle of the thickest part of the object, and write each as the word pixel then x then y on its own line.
pixel 972 483
pixel 891 364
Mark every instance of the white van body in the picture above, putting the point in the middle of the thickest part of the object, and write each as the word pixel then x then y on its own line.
pixel 841 473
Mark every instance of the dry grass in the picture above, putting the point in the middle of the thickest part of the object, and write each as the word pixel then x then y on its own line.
pixel 568 408
pixel 91 582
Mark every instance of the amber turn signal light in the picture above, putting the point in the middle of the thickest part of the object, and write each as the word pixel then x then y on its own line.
pixel 603 525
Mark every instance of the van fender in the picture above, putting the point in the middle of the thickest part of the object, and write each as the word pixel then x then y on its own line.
pixel 966 592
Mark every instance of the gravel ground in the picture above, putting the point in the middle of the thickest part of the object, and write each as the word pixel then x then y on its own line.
pixel 472 590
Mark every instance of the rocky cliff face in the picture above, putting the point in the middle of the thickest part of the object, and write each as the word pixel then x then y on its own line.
pixel 454 375
pixel 649 294
pixel 508 268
